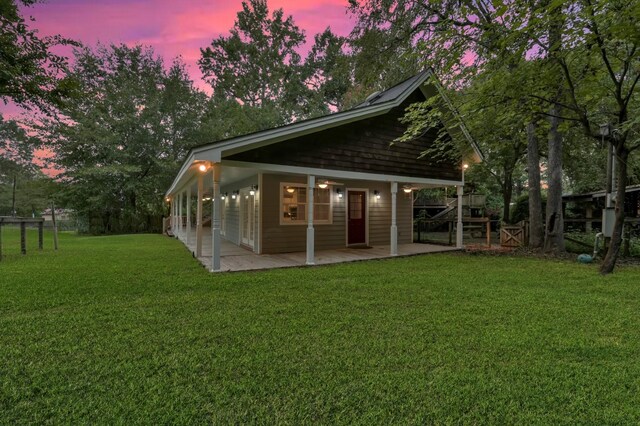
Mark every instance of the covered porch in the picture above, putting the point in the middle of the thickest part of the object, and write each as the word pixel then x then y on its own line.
pixel 235 216
pixel 234 258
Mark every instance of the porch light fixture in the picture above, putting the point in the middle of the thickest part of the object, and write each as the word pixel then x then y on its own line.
pixel 377 194
pixel 323 185
pixel 234 194
pixel 202 167
pixel 407 189
pixel 465 166
pixel 339 192
pixel 253 189
pixel 224 195
pixel 167 199
pixel 291 189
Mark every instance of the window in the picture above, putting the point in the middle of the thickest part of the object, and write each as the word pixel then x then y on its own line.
pixel 294 199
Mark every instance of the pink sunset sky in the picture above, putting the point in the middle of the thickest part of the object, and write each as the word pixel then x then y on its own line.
pixel 172 27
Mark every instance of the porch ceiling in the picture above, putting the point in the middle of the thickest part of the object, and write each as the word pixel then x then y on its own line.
pixel 236 171
pixel 229 176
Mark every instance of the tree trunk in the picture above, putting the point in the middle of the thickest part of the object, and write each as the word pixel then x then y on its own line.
pixel 554 232
pixel 536 230
pixel 507 193
pixel 609 263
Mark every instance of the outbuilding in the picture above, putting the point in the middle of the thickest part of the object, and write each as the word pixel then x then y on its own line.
pixel 328 183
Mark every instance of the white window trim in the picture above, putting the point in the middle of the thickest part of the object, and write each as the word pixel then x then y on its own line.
pixel 283 185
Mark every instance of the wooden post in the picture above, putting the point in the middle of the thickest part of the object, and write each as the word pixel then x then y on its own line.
pixel 23 238
pixel 40 235
pixel 488 232
pixel 55 226
pixel 311 243
pixel 394 226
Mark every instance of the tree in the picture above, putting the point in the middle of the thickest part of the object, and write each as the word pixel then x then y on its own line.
pixel 328 70
pixel 121 142
pixel 588 55
pixel 604 87
pixel 477 50
pixel 380 59
pixel 24 189
pixel 258 65
pixel 30 74
pixel 536 229
pixel 599 82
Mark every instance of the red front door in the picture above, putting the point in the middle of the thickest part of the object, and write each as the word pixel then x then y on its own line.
pixel 356 219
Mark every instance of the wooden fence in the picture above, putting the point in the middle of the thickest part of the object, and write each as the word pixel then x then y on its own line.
pixel 23 222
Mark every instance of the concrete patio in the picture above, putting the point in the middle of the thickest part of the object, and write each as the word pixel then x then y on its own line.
pixel 234 258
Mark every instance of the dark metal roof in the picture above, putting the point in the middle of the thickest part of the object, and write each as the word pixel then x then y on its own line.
pixel 394 92
pixel 596 194
pixel 390 95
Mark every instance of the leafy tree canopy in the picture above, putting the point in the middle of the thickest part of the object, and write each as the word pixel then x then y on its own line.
pixel 121 142
pixel 30 74
pixel 258 66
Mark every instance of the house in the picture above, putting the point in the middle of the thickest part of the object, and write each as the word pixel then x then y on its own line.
pixel 326 183
pixel 62 215
pixel 587 208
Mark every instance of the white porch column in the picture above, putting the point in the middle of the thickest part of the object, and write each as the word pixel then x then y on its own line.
pixel 460 189
pixel 188 233
pixel 394 226
pixel 172 215
pixel 199 217
pixel 180 212
pixel 175 215
pixel 215 220
pixel 311 242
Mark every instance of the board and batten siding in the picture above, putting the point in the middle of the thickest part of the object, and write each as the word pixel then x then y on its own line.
pixel 363 146
pixel 277 238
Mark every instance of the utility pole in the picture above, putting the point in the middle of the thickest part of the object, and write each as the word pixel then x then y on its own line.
pixel 607 214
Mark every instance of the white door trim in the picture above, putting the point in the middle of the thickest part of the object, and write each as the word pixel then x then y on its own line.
pixel 244 192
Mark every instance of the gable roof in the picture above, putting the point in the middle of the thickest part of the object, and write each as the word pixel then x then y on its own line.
pixel 396 91
pixel 377 104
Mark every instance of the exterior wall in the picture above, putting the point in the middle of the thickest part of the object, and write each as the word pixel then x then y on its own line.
pixel 232 210
pixel 362 146
pixel 278 238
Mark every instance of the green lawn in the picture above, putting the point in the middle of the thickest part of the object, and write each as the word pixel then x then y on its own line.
pixel 130 329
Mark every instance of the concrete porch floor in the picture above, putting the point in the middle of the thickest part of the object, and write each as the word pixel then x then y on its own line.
pixel 234 258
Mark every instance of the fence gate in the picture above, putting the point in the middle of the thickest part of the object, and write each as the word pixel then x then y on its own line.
pixel 513 235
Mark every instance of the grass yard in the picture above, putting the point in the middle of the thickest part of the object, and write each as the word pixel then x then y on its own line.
pixel 130 329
